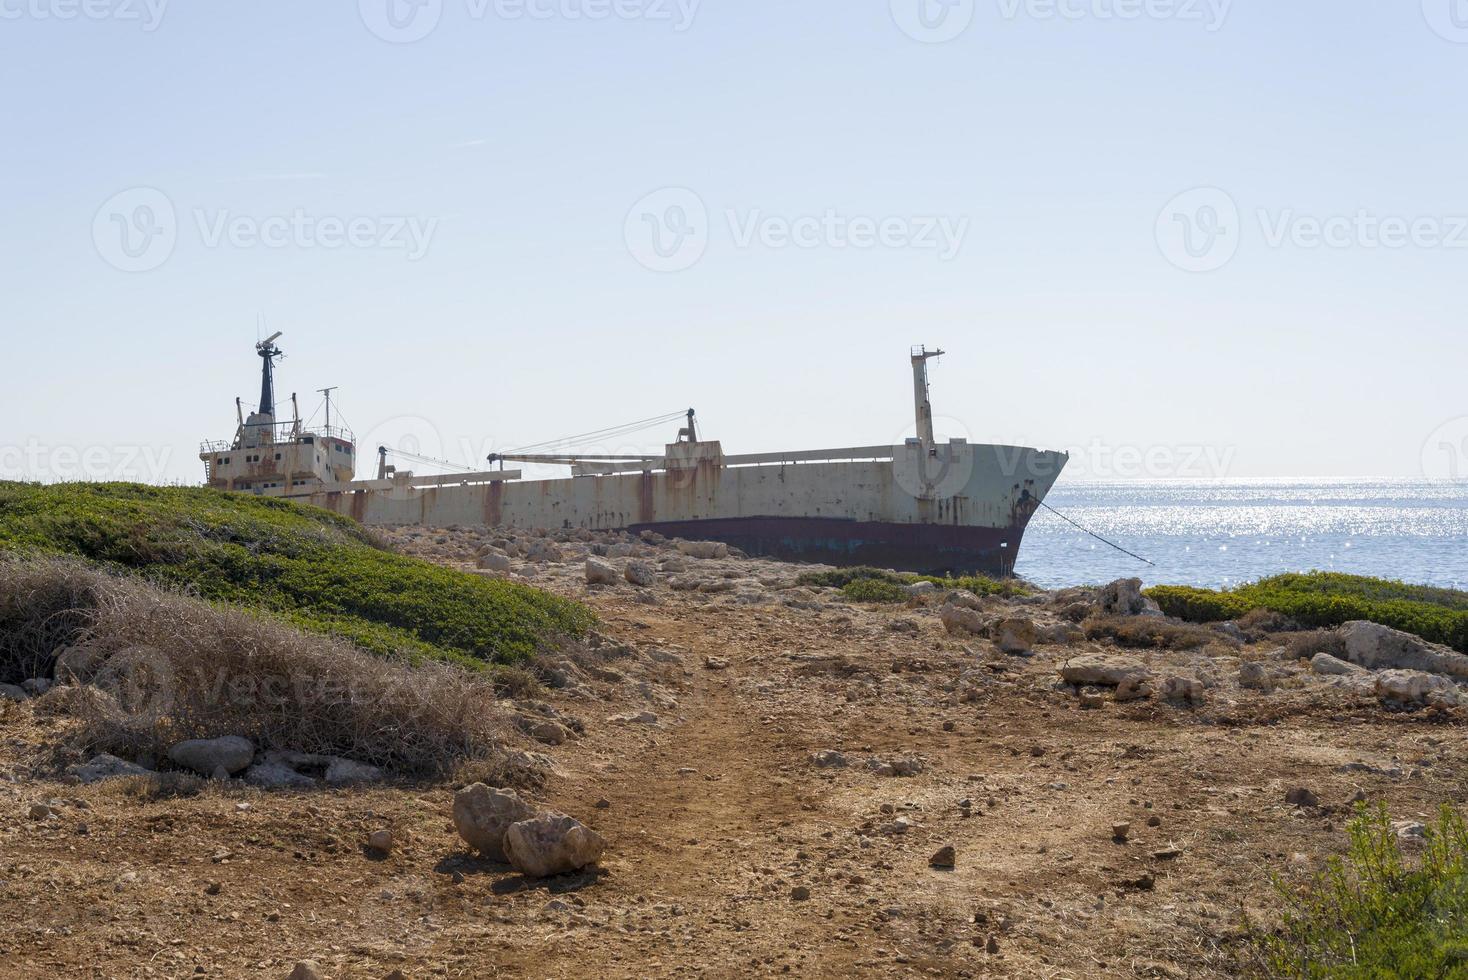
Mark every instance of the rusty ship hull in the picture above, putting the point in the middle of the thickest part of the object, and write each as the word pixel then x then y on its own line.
pixel 955 508
pixel 923 506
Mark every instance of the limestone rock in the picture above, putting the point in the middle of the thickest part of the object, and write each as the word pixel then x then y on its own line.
pixel 551 844
pixel 1375 646
pixel 345 772
pixel 106 766
pixel 828 759
pixel 11 692
pixel 704 549
pixel 1255 676
pixel 494 562
pixel 1103 670
pixel 482 815
pixel 640 574
pixel 1324 663
pixel 1182 689
pixel 1015 635
pixel 271 774
pixel 601 573
pixel 1415 687
pixel 203 755
pixel 1123 597
pixel 959 619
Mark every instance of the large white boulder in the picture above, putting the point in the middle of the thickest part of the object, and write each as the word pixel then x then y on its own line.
pixel 959 619
pixel 1415 687
pixel 599 572
pixel 1375 646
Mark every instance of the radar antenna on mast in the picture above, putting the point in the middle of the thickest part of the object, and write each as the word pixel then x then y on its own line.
pixel 269 354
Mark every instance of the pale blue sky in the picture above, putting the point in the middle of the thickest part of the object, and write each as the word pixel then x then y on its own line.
pixel 518 148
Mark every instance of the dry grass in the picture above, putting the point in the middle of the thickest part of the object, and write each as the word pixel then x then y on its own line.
pixel 1309 643
pixel 1148 633
pixel 170 667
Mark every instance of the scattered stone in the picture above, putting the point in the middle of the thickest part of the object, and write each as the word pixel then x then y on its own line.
pixel 1168 853
pixel 551 844
pixel 958 619
pixel 106 766
pixel 1357 797
pixel 482 815
pixel 921 588
pixel 704 549
pixel 949 726
pixel 716 663
pixel 1326 665
pixel 380 841
pixel 944 857
pixel 829 759
pixel 494 562
pixel 275 774
pixel 213 888
pixel 1188 690
pixel 543 730
pixel 1123 598
pixel 1103 670
pixel 36 686
pixel 1015 635
pixel 1375 646
pixel 991 946
pixel 1409 830
pixel 1120 830
pixel 1154 821
pixel 1092 700
pixel 1255 676
pixel 1301 796
pixel 800 893
pixel 40 811
pixel 601 573
pixel 640 574
pixel 219 775
pixel 305 970
pixel 345 772
pixel 203 755
pixel 640 718
pixel 602 803
pixel 1410 687
pixel 11 692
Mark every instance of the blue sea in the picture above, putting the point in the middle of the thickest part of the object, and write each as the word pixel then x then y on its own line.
pixel 1221 533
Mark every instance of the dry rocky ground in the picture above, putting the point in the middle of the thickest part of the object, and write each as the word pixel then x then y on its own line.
pixel 775 771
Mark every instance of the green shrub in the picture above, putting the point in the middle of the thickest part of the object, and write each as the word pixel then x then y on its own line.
pixel 1377 914
pixel 1328 599
pixel 316 570
pixel 874 590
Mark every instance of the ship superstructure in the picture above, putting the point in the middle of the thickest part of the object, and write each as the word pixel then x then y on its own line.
pixel 924 505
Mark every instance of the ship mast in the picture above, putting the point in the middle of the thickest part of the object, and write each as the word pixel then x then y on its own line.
pixel 269 354
pixel 921 404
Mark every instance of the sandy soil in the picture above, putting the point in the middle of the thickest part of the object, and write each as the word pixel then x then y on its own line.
pixel 731 853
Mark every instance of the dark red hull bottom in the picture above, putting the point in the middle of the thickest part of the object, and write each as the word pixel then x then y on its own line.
pixel 928 549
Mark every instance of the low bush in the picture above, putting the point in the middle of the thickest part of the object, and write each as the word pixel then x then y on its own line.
pixel 874 590
pixel 157 667
pixel 1328 599
pixel 1377 913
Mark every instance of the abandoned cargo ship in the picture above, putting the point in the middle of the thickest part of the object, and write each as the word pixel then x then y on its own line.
pixel 923 506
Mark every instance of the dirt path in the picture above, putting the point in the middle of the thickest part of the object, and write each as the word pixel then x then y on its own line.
pixel 731 853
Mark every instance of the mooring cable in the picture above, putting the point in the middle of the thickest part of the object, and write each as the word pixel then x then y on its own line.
pixel 1096 536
